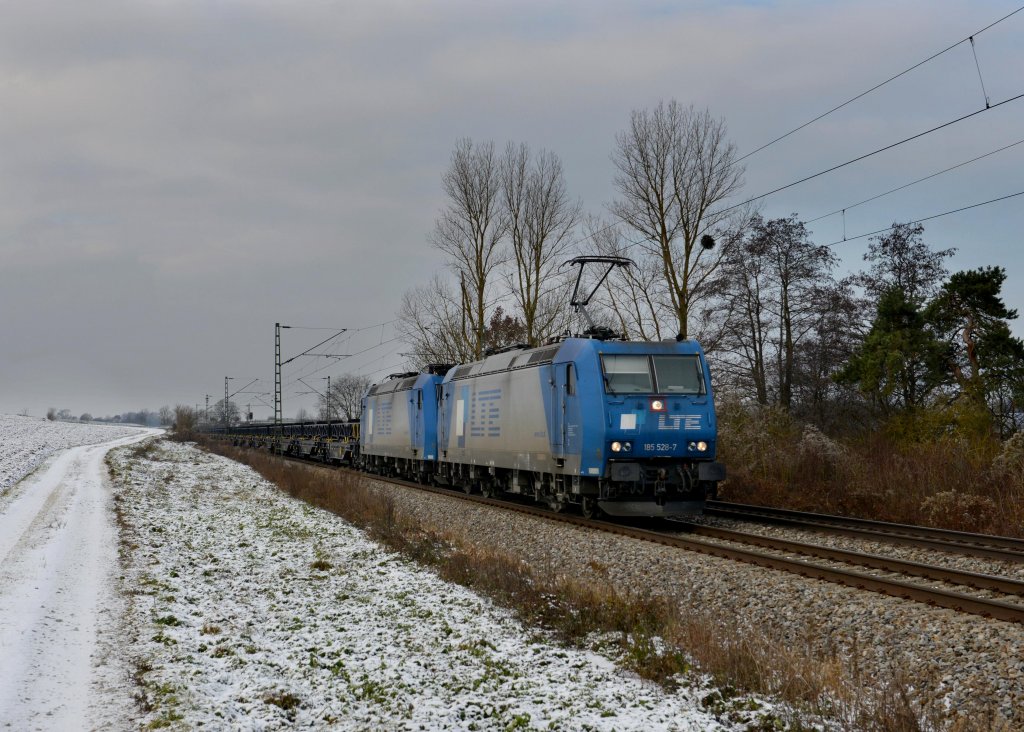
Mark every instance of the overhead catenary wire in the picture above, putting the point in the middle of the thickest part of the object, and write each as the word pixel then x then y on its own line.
pixel 912 183
pixel 929 218
pixel 906 71
pixel 873 152
pixel 329 365
pixel 347 333
pixel 348 330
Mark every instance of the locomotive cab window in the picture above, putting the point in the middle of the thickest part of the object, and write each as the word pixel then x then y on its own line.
pixel 627 374
pixel 678 374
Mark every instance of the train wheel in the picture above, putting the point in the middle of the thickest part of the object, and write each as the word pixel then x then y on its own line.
pixel 487 489
pixel 589 508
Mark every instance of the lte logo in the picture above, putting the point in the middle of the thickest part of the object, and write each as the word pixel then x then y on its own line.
pixel 678 421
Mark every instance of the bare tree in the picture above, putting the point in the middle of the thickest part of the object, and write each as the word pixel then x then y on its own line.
pixel 777 290
pixel 801 269
pixel 540 219
pixel 218 416
pixel 166 416
pixel 818 395
pixel 747 321
pixel 345 397
pixel 186 420
pixel 430 321
pixel 469 231
pixel 675 168
pixel 635 296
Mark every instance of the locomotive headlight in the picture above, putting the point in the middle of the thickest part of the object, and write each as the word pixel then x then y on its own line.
pixel 627 446
pixel 657 405
pixel 616 446
pixel 702 446
pixel 692 446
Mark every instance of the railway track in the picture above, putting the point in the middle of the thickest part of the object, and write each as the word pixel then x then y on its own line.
pixel 779 556
pixel 956 542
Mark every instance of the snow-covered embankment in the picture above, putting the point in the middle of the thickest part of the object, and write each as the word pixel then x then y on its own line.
pixel 252 609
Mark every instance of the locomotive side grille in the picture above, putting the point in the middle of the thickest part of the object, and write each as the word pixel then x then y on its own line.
pixel 544 355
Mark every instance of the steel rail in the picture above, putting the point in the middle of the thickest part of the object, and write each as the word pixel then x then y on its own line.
pixel 958 542
pixel 949 599
pixel 975 580
pixel 996 609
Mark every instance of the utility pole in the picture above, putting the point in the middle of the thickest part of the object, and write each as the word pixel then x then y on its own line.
pixel 207 419
pixel 277 378
pixel 226 410
pixel 278 364
pixel 328 406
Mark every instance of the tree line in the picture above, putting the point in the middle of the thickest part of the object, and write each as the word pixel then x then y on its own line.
pixel 901 340
pixel 162 417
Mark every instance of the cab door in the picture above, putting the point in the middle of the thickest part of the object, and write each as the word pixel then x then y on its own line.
pixel 565 412
pixel 416 415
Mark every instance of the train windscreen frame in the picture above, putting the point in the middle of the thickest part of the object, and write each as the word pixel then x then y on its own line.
pixel 644 374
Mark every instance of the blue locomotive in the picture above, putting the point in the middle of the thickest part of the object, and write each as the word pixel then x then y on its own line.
pixel 615 427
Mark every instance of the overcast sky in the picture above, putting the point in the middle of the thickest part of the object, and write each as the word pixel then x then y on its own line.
pixel 176 177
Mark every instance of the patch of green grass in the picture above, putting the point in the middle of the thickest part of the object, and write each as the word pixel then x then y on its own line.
pixel 320 564
pixel 165 720
pixel 372 691
pixel 164 639
pixel 283 699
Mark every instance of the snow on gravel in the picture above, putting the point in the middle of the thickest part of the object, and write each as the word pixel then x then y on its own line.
pixel 25 442
pixel 251 610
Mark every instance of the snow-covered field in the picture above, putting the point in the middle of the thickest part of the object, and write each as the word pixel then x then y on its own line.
pixel 25 442
pixel 187 592
pixel 252 610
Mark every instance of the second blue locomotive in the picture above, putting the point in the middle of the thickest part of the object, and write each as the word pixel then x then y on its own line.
pixel 624 428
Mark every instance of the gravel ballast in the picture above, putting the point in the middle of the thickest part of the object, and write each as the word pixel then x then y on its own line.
pixel 964 664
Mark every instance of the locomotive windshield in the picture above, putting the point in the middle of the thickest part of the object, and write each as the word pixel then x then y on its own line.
pixel 652 374
pixel 627 374
pixel 678 374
